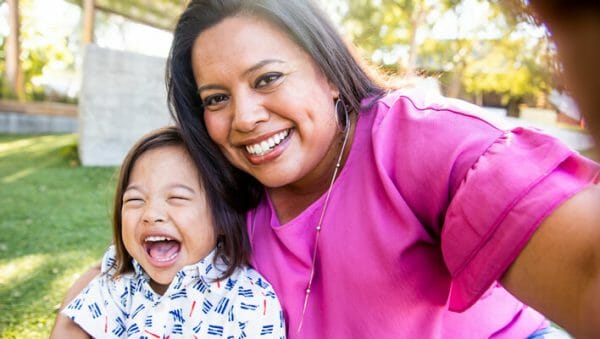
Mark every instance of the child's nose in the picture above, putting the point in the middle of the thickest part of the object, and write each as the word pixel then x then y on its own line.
pixel 154 213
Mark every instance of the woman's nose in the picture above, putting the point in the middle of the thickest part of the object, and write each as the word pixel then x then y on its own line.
pixel 248 113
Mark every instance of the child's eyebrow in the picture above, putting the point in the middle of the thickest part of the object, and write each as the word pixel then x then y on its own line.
pixel 183 186
pixel 132 188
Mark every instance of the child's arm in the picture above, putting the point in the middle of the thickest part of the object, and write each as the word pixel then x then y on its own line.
pixel 67 328
pixel 63 326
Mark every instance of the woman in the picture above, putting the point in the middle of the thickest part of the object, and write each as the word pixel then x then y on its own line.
pixel 378 214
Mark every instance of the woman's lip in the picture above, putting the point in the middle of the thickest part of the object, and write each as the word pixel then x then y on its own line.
pixel 272 154
pixel 261 138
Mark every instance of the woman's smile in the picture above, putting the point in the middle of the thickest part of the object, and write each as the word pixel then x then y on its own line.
pixel 266 103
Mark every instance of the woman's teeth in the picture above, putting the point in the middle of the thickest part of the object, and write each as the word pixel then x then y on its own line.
pixel 265 146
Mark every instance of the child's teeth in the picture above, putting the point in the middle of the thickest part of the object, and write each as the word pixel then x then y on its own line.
pixel 157 238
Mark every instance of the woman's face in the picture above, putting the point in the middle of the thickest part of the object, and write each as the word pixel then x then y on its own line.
pixel 267 105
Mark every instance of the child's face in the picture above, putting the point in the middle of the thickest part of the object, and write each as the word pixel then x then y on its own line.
pixel 166 220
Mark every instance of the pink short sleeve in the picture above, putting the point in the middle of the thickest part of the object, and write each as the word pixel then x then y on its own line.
pixel 521 178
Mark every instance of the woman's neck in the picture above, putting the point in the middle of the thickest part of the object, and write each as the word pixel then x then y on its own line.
pixel 291 200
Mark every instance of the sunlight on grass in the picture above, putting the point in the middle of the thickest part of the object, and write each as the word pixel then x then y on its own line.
pixel 19 269
pixel 18 175
pixel 35 144
pixel 55 224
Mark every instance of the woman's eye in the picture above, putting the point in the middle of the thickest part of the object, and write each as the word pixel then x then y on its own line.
pixel 267 79
pixel 212 101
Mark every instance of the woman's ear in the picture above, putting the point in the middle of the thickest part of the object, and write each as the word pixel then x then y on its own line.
pixel 335 92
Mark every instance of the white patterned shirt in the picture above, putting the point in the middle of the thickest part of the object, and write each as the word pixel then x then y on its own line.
pixel 194 306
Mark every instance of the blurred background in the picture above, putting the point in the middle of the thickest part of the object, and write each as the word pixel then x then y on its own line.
pixel 81 80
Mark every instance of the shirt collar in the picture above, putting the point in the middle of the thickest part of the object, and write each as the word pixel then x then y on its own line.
pixel 208 269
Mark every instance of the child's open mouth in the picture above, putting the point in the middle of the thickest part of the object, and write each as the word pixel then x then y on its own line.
pixel 162 249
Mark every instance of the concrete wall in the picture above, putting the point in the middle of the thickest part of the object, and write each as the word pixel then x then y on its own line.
pixel 123 96
pixel 19 123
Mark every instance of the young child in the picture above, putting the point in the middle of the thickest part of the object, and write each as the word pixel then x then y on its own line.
pixel 177 266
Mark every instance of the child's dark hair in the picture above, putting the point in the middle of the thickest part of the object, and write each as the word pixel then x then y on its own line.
pixel 230 226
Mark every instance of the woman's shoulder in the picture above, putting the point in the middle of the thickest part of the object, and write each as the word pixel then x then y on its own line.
pixel 419 104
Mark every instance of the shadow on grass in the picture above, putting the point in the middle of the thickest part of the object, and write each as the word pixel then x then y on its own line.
pixel 55 223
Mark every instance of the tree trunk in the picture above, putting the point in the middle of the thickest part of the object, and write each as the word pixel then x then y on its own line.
pixel 416 21
pixel 88 21
pixel 14 72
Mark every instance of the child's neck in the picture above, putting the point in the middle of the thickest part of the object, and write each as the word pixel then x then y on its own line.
pixel 159 288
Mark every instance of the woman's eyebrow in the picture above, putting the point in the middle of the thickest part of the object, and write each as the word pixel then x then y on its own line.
pixel 253 68
pixel 261 64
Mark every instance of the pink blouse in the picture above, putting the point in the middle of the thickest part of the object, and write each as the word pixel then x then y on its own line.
pixel 431 207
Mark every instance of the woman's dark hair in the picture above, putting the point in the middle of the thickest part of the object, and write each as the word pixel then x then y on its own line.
pixel 305 24
pixel 229 224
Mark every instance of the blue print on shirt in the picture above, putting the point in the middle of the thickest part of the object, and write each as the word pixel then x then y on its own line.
pixel 123 297
pixel 245 292
pixel 177 315
pixel 95 310
pixel 245 306
pixel 266 329
pixel 260 282
pixel 137 310
pixel 215 330
pixel 222 306
pixel 201 285
pixel 133 329
pixel 198 327
pixel 149 296
pixel 177 329
pixel 180 294
pixel 206 306
pixel 76 304
pixel 119 330
pixel 230 283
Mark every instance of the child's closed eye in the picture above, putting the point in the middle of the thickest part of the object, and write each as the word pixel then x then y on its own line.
pixel 133 201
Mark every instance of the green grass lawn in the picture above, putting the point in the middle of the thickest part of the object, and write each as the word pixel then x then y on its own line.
pixel 54 223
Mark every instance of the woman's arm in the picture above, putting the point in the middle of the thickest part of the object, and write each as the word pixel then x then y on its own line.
pixel 558 271
pixel 63 326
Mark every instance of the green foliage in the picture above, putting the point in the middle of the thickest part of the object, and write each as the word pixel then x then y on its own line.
pixel 507 64
pixel 506 67
pixel 55 224
pixel 38 50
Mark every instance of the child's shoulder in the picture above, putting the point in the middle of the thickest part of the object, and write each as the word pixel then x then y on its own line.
pixel 249 283
pixel 109 261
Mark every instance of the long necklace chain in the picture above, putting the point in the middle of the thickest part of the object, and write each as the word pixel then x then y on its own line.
pixel 320 224
pixel 318 228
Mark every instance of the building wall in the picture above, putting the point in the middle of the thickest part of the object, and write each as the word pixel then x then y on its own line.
pixel 123 96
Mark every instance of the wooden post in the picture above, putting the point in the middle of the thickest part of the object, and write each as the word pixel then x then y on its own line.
pixel 88 21
pixel 14 73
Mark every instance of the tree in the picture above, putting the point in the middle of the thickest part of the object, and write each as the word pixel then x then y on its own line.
pixel 386 28
pixel 495 56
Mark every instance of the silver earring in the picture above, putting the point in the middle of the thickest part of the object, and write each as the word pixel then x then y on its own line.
pixel 342 124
